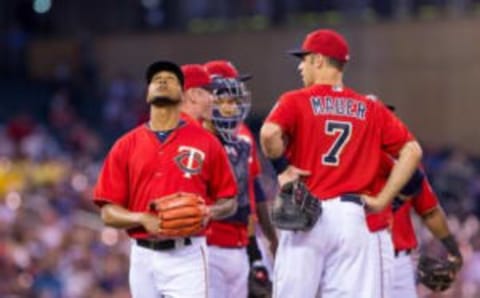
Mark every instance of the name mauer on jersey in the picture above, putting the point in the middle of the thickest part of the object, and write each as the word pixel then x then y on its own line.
pixel 333 133
pixel 341 106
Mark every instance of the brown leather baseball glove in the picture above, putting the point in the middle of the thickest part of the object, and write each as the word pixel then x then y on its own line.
pixel 181 214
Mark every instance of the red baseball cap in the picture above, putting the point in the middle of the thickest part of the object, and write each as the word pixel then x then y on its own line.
pixel 326 42
pixel 196 76
pixel 225 69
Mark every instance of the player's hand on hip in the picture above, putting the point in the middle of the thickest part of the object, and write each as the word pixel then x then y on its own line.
pixel 150 222
pixel 375 204
pixel 291 174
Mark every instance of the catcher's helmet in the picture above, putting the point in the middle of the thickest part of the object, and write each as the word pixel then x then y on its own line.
pixel 231 106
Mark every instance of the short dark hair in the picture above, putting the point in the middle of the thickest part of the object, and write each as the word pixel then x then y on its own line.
pixel 335 63
pixel 158 66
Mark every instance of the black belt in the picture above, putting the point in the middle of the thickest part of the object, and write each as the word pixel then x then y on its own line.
pixel 161 244
pixel 352 198
pixel 406 251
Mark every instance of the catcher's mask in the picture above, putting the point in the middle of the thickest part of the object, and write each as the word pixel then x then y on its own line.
pixel 231 106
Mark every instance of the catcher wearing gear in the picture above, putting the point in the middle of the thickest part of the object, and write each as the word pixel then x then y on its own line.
pixel 181 214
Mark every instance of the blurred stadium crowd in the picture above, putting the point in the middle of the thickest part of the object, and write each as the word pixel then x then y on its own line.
pixel 52 144
pixel 53 243
pixel 67 17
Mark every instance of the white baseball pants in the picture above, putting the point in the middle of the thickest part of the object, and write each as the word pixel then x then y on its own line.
pixel 331 260
pixel 228 269
pixel 176 273
pixel 403 277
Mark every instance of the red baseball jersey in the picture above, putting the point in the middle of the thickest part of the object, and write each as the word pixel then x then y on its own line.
pixel 383 219
pixel 403 232
pixel 140 168
pixel 227 234
pixel 338 135
pixel 189 119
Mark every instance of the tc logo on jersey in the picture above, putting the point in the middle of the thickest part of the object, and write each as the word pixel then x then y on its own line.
pixel 190 160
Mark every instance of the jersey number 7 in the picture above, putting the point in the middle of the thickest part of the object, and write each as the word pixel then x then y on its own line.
pixel 343 131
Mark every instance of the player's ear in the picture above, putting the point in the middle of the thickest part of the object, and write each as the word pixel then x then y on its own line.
pixel 145 93
pixel 318 60
pixel 189 95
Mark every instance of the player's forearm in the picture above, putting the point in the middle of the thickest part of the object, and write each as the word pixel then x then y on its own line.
pixel 436 222
pixel 223 208
pixel 118 217
pixel 402 171
pixel 271 140
pixel 265 222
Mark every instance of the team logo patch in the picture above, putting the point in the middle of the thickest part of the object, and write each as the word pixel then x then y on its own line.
pixel 189 160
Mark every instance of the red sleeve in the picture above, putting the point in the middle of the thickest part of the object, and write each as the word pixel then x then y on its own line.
pixel 112 182
pixel 222 183
pixel 426 200
pixel 394 133
pixel 284 114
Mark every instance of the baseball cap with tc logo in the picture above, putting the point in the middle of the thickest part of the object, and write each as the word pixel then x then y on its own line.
pixel 326 42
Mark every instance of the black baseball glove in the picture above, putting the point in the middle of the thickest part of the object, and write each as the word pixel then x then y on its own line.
pixel 259 284
pixel 437 275
pixel 295 208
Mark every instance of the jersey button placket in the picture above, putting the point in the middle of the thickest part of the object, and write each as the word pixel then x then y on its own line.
pixel 159 173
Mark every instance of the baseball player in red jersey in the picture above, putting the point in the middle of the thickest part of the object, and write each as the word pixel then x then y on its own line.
pixel 400 278
pixel 228 238
pixel 331 137
pixel 260 224
pixel 226 69
pixel 158 158
pixel 198 97
pixel 380 224
pixel 425 204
